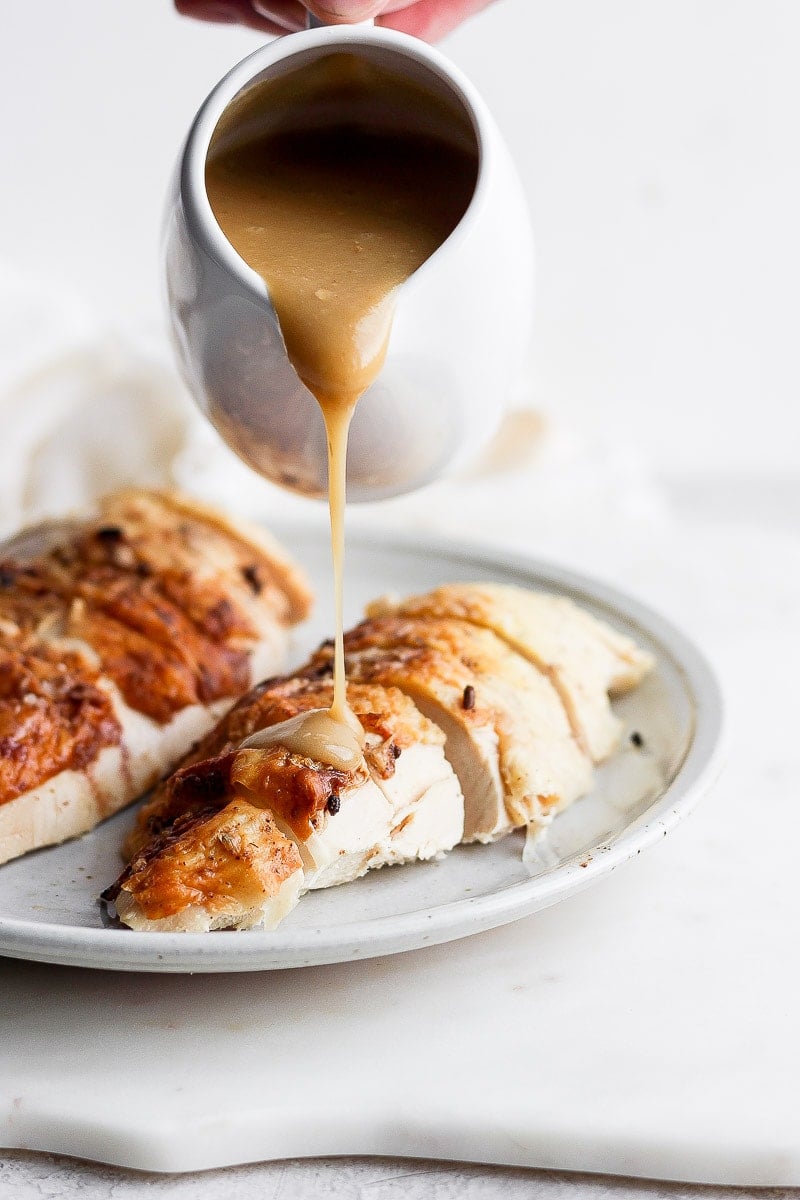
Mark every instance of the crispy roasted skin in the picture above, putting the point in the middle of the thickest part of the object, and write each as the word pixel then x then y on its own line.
pixel 296 789
pixel 52 717
pixel 220 859
pixel 586 659
pixel 158 658
pixel 292 788
pixel 161 593
pixel 481 688
pixel 189 545
pixel 195 806
pixel 386 712
pixel 541 762
pixel 385 651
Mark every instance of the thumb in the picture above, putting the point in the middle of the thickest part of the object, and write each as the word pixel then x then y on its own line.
pixel 345 12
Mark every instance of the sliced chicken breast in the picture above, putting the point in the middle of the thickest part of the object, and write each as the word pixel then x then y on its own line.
pixel 441 685
pixel 585 659
pixel 337 818
pixel 467 679
pixel 230 869
pixel 123 638
pixel 402 803
pixel 474 721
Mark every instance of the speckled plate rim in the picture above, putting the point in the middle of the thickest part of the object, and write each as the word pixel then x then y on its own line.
pixel 258 950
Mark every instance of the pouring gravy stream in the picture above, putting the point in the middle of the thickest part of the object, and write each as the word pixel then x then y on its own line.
pixel 336 182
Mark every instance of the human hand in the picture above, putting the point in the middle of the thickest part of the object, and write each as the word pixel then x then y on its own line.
pixel 429 19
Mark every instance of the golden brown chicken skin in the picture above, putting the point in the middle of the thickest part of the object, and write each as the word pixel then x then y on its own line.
pixel 130 630
pixel 297 790
pixel 469 708
pixel 210 868
pixel 53 717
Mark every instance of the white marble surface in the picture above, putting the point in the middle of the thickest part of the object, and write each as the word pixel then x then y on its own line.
pixel 656 147
pixel 36 1177
pixel 644 1027
pixel 41 1177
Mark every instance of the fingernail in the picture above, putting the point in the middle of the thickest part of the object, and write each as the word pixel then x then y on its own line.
pixel 347 10
pixel 272 12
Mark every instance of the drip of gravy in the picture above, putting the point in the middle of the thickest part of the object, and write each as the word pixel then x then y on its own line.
pixel 335 182
pixel 317 734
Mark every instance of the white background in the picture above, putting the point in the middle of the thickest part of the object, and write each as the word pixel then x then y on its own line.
pixel 658 143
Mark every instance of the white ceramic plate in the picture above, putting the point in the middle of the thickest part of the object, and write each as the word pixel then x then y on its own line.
pixel 48 906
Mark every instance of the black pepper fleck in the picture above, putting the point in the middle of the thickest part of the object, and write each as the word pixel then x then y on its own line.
pixel 469 697
pixel 637 739
pixel 109 533
pixel 252 576
pixel 333 805
pixel 395 750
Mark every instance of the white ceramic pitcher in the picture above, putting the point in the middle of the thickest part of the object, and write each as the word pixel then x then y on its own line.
pixel 461 323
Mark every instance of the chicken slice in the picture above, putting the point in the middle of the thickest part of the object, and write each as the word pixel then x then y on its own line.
pixel 411 792
pixel 481 708
pixel 438 683
pixel 337 819
pixel 181 538
pixel 469 681
pixel 124 635
pixel 301 800
pixel 405 754
pixel 232 579
pixel 402 803
pixel 226 869
pixel 585 659
pixel 428 828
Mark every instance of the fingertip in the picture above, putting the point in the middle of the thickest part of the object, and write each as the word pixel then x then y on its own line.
pixel 345 12
pixel 228 12
pixel 431 20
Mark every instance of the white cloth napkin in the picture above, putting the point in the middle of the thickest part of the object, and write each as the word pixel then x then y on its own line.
pixel 85 409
